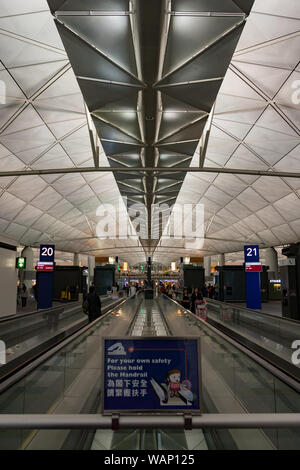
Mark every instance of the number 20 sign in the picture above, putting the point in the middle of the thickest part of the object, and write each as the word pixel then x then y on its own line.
pixel 251 253
pixel 47 252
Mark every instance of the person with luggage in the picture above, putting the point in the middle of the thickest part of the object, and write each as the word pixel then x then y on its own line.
pixel 196 299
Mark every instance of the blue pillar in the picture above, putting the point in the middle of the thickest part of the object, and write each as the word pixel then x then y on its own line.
pixel 45 277
pixel 253 293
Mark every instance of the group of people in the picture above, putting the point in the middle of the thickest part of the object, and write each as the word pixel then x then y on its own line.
pixel 190 301
pixel 169 290
pixel 130 289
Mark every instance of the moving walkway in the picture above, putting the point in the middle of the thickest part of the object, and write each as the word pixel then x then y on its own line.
pixel 29 335
pixel 67 381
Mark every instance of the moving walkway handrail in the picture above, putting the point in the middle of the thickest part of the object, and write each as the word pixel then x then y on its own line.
pixel 293 383
pixel 44 356
pixel 240 307
pixel 96 421
pixel 57 309
pixel 18 316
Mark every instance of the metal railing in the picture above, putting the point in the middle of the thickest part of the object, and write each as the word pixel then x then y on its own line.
pixel 95 421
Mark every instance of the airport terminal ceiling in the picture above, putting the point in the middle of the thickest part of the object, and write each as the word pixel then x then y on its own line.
pixel 140 84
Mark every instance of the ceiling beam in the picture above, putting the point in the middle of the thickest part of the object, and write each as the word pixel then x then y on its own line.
pixel 177 169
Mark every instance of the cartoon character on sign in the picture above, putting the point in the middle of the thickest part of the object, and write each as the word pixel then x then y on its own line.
pixel 173 391
pixel 173 381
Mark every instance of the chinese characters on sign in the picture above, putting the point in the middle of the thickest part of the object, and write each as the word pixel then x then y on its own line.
pixel 151 374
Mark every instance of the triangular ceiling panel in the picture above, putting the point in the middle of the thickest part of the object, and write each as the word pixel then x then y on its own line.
pixel 190 132
pixel 110 34
pixel 169 158
pixel 99 96
pixel 188 35
pixel 88 62
pixel 184 148
pixel 212 63
pixel 96 5
pixel 201 95
pixel 114 148
pixel 127 121
pixel 206 6
pixel 109 132
pixel 31 78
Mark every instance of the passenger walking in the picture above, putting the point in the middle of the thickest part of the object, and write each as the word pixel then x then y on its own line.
pixel 132 290
pixel 92 305
pixel 24 295
pixel 186 299
pixel 196 297
pixel 204 291
pixel 211 292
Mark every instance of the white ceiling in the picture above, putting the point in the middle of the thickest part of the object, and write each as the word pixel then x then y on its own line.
pixel 44 125
pixel 255 126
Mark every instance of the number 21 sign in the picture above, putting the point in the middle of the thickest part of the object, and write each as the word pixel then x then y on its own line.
pixel 251 253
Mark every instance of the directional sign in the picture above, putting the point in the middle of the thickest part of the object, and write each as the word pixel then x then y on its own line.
pixel 253 267
pixel 21 262
pixel 45 266
pixel 151 374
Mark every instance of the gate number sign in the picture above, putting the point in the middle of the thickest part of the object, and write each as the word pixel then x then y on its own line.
pixel 251 253
pixel 47 252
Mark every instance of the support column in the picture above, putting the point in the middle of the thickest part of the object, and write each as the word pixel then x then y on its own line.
pixel 76 259
pixel 91 270
pixel 221 259
pixel 8 281
pixel 28 275
pixel 207 266
pixel 271 260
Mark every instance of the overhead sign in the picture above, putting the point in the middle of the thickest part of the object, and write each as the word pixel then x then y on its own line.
pixel 20 262
pixel 287 262
pixel 253 267
pixel 47 252
pixel 151 374
pixel 251 253
pixel 45 266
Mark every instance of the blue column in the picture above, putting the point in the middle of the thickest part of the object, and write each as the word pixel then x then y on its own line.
pixel 45 279
pixel 44 290
pixel 253 293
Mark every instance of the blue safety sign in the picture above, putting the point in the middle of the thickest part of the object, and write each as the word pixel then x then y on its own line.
pixel 150 374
